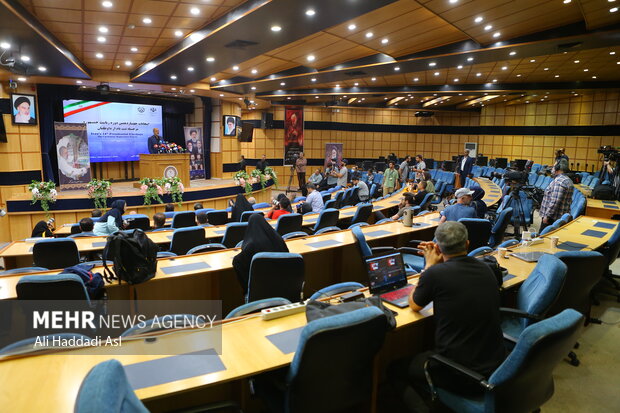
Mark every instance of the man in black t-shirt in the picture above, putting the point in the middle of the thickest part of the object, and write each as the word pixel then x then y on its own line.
pixel 466 304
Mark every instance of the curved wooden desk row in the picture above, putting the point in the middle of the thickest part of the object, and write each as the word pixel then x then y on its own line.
pixel 240 359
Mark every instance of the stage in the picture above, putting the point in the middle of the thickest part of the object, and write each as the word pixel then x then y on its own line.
pixel 72 205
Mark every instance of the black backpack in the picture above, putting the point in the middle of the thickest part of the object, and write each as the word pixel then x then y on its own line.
pixel 604 192
pixel 134 256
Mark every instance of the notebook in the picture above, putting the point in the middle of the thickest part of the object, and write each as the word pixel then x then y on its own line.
pixel 387 278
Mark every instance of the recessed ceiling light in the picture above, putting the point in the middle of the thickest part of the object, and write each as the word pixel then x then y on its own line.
pixel 235 68
pixel 150 65
pixel 130 85
pixel 196 37
pixel 432 64
pixel 456 80
pixel 310 58
pixel 173 77
pixel 42 68
pixel 459 67
pixel 128 63
pixel 147 20
pixel 288 98
pixel 101 39
pixel 374 78
pixel 546 68
pixel 396 69
pixel 99 55
pixel 178 33
pixel 576 61
pixel 415 79
pixel 276 28
pixel 504 67
pixel 384 41
pixel 5 45
pixel 496 34
pixel 369 35
pixel 454 1
pixel 557 76
pixel 585 70
pixel 593 77
pixel 512 53
pixel 210 59
pixel 356 84
pixel 134 49
pixel 282 83
pixel 313 79
pixel 253 88
pixel 470 59
pixel 191 91
pixel 494 80
pixel 478 19
pixel 25 58
pixel 352 27
pixel 436 73
pixel 221 95
pixel 613 10
pixel 190 68
pixel 103 29
pixel 478 74
pixel 316 97
pixel 79 82
pixel 567 1
pixel 337 86
pixel 254 71
pixel 310 12
pixel 612 53
pixel 518 75
pixel 488 27
pixel 213 79
pixel 107 4
pixel 532 60
pixel 195 11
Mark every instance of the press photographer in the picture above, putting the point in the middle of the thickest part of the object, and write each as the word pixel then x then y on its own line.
pixel 609 187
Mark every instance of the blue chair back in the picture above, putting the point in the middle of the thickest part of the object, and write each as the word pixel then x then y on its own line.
pixel 343 287
pixel 327 218
pixel 611 249
pixel 55 253
pixel 362 213
pixel 326 230
pixel 256 306
pixel 138 221
pixel 184 219
pixel 478 231
pixel 169 214
pixel 51 287
pixel 184 239
pixel 351 341
pixel 219 217
pixel 541 288
pixel 279 274
pixel 499 228
pixel 289 223
pixel 235 231
pixel 331 203
pixel 360 239
pixel 261 205
pixel 205 248
pixel 118 396
pixel 373 190
pixel 245 216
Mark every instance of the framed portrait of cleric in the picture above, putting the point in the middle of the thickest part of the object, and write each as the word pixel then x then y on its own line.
pixel 23 109
pixel 230 125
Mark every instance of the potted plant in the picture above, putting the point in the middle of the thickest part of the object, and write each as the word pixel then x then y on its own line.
pixel 99 191
pixel 43 192
pixel 152 191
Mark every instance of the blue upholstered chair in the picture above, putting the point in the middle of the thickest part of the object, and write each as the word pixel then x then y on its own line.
pixel 535 296
pixel 184 239
pixel 105 389
pixel 28 344
pixel 350 341
pixel 509 243
pixel 165 254
pixel 499 228
pixel 413 263
pixel 245 216
pixel 289 223
pixel 611 250
pixel 480 251
pixel 52 287
pixel 294 234
pixel 384 220
pixel 23 270
pixel 261 205
pixel 327 218
pixel 299 199
pixel 184 219
pixel 169 214
pixel 339 288
pixel 362 213
pixel 326 230
pixel 256 306
pixel 524 381
pixel 164 323
pixel 55 253
pixel 138 221
pixel 330 203
pixel 359 224
pixel 218 217
pixel 478 231
pixel 235 231
pixel 205 248
pixel 276 274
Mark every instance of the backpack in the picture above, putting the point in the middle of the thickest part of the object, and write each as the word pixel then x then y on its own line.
pixel 498 271
pixel 604 192
pixel 92 281
pixel 134 257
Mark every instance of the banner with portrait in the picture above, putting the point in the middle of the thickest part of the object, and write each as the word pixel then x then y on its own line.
pixel 333 152
pixel 293 133
pixel 73 155
pixel 195 148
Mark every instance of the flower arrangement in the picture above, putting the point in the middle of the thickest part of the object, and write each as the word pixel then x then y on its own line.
pixel 44 192
pixel 152 190
pixel 257 176
pixel 99 191
pixel 271 174
pixel 174 187
pixel 242 178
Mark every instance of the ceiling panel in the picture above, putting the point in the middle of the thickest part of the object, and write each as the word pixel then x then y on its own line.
pixel 598 13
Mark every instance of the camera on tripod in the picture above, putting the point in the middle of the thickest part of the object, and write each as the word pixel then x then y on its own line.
pixel 609 153
pixel 517 177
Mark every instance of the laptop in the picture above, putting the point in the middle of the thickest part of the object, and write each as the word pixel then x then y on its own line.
pixel 532 256
pixel 387 278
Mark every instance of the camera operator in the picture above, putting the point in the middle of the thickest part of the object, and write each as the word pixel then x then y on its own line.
pixel 557 198
pixel 300 168
pixel 560 160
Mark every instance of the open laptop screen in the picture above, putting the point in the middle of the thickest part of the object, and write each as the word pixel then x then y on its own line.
pixel 386 272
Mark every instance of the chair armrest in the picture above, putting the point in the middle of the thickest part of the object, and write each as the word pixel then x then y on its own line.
pixel 510 338
pixel 410 250
pixel 518 313
pixel 479 378
pixel 382 249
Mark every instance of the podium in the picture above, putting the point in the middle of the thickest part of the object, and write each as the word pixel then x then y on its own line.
pixel 165 165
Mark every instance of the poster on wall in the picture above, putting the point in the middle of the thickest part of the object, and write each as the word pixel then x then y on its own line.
pixel 24 109
pixel 230 125
pixel 73 155
pixel 194 145
pixel 333 152
pixel 293 133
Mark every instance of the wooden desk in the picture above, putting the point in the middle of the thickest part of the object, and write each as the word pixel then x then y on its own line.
pixel 492 191
pixel 602 209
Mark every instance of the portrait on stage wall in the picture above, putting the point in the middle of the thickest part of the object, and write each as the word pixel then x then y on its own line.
pixel 333 152
pixel 73 155
pixel 24 109
pixel 293 133
pixel 193 143
pixel 230 125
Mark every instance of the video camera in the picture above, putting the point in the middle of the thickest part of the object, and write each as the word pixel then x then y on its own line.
pixel 520 177
pixel 609 152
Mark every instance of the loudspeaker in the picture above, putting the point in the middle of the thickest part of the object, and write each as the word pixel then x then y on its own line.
pixel 266 121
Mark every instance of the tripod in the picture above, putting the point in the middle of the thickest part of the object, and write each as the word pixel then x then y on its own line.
pixel 518 211
pixel 290 180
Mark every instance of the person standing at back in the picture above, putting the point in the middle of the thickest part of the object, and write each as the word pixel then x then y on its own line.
pixel 464 166
pixel 342 174
pixel 403 169
pixel 262 164
pixel 300 168
pixel 557 198
pixel 466 303
pixel 390 176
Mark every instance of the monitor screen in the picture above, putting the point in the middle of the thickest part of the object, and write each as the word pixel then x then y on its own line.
pixel 386 271
pixel 116 131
